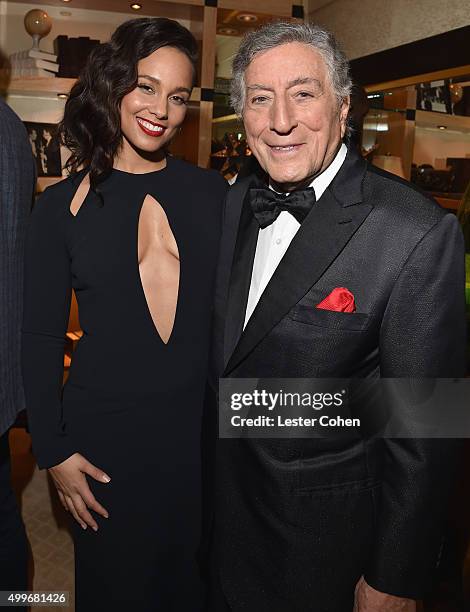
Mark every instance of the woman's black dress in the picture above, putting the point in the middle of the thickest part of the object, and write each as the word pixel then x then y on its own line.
pixel 132 404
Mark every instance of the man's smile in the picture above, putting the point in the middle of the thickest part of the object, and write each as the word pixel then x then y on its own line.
pixel 285 149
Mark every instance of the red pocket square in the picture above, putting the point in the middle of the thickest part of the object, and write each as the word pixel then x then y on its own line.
pixel 339 300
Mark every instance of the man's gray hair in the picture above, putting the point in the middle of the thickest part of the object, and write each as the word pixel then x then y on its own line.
pixel 282 32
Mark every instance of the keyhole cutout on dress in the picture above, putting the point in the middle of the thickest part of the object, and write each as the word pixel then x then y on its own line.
pixel 80 195
pixel 159 266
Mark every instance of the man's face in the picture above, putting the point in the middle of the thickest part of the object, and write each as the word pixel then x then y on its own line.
pixel 292 119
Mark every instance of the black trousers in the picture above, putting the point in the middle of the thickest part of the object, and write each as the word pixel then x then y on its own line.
pixel 13 543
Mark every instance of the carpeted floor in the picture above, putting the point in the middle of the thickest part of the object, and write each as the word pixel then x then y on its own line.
pixel 51 563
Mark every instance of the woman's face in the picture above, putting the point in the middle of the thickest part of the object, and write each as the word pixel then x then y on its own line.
pixel 153 111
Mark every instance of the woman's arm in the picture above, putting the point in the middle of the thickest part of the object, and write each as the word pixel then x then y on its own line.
pixel 47 292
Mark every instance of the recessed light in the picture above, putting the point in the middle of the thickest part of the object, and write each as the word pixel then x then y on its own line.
pixel 442 127
pixel 247 17
pixel 62 96
pixel 227 31
pixel 135 6
pixel 65 0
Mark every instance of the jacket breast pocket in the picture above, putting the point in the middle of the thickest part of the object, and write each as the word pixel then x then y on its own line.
pixel 310 315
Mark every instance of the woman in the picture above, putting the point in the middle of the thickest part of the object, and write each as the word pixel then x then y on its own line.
pixel 135 234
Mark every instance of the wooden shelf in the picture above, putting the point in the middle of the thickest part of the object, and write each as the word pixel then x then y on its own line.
pixel 226 119
pixel 420 78
pixel 35 86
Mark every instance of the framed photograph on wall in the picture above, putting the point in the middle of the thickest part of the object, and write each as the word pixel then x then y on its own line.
pixel 45 144
pixel 434 96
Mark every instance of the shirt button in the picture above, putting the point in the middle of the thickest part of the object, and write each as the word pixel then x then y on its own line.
pixel 278 241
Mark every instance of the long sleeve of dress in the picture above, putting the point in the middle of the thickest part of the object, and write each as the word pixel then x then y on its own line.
pixel 47 293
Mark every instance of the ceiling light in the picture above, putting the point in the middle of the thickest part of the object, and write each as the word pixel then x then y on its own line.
pixel 227 31
pixel 62 96
pixel 442 127
pixel 135 6
pixel 247 17
pixel 65 0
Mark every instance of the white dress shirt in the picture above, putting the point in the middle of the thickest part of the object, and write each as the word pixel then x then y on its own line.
pixel 274 240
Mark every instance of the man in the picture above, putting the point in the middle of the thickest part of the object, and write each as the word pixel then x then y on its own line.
pixel 17 177
pixel 359 276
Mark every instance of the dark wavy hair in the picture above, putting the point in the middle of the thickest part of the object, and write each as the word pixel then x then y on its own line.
pixel 91 127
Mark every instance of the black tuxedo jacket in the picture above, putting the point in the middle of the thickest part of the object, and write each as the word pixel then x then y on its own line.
pixel 297 522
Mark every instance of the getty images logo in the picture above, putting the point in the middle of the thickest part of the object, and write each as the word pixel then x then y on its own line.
pixel 281 399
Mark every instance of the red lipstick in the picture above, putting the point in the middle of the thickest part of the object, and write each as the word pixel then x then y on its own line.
pixel 151 128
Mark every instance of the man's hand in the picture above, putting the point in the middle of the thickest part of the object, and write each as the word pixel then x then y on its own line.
pixel 367 599
pixel 74 492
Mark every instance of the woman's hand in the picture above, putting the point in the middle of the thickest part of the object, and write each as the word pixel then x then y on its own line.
pixel 74 492
pixel 367 599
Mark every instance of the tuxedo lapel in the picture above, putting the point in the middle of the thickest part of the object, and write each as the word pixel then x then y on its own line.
pixel 322 236
pixel 240 277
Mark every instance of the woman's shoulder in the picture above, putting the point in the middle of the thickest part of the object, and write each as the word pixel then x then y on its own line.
pixel 55 199
pixel 206 178
pixel 67 184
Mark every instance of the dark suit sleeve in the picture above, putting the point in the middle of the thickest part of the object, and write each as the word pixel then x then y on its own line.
pixel 17 179
pixel 47 293
pixel 422 335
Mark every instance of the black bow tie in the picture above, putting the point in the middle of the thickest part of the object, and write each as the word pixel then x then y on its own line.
pixel 267 204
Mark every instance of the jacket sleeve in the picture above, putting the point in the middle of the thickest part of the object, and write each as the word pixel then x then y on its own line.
pixel 17 180
pixel 422 336
pixel 47 294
